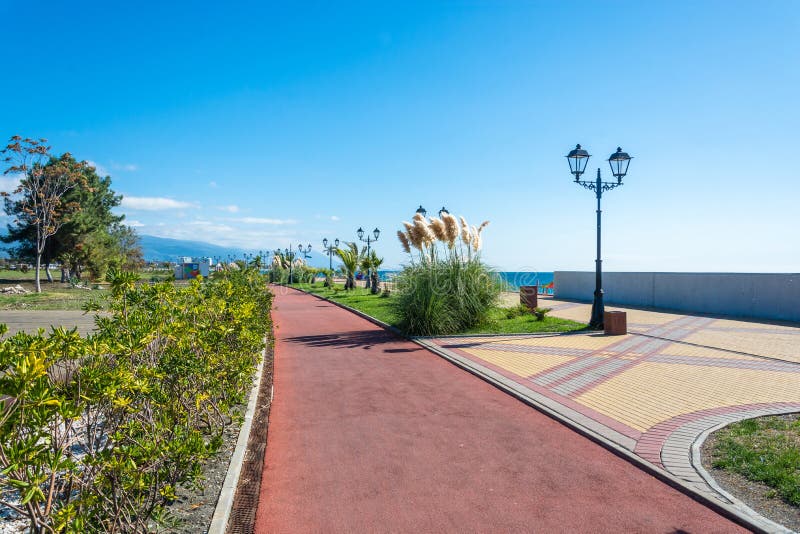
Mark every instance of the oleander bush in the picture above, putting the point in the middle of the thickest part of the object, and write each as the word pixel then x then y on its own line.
pixel 97 433
pixel 446 288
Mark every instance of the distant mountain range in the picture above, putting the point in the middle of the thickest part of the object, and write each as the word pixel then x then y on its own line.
pixel 166 249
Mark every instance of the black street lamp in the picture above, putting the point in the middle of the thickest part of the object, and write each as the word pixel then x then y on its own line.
pixel 329 250
pixel 619 161
pixel 443 212
pixel 422 211
pixel 368 240
pixel 305 252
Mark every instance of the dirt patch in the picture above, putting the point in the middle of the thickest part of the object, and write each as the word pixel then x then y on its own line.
pixel 756 495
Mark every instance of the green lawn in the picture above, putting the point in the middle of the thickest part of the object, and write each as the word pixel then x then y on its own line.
pixel 499 323
pixel 764 450
pixel 61 298
pixel 360 299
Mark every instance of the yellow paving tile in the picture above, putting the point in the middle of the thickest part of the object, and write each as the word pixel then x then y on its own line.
pixel 682 349
pixel 653 392
pixel 518 363
pixel 574 341
pixel 774 345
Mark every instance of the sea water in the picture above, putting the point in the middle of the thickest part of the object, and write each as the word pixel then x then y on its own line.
pixel 511 279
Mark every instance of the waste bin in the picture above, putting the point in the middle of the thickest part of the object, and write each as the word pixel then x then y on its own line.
pixel 615 323
pixel 529 296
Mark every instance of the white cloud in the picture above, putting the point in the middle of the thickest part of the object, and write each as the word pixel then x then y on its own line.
pixel 135 224
pixel 212 184
pixel 9 183
pixel 99 169
pixel 261 220
pixel 335 218
pixel 233 208
pixel 154 203
pixel 128 167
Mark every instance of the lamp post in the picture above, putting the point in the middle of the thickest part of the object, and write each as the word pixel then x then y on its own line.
pixel 288 253
pixel 422 211
pixel 443 212
pixel 619 161
pixel 305 252
pixel 329 251
pixel 368 240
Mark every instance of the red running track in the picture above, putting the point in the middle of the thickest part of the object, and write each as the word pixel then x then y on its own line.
pixel 372 433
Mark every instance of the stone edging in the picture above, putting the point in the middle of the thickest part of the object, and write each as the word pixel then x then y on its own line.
pixel 222 512
pixel 757 524
pixel 697 464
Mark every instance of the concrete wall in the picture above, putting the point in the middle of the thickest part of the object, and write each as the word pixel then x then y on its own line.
pixel 764 296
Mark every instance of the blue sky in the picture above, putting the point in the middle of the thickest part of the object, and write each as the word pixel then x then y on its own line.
pixel 263 124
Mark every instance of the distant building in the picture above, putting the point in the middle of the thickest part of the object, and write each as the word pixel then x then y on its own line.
pixel 188 268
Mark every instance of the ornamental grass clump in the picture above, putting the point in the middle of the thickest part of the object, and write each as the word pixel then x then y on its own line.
pixel 445 288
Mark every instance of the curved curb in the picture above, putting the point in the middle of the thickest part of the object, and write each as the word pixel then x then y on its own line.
pixel 697 464
pixel 222 512
pixel 726 510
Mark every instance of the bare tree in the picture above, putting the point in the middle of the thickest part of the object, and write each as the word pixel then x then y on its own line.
pixel 40 190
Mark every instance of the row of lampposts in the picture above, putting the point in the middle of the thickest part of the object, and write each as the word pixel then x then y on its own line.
pixel 578 159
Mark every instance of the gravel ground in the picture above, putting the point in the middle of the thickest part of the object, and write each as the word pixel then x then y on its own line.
pixel 754 494
pixel 194 508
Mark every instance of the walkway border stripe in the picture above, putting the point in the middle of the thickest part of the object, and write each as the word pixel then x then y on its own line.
pixel 222 512
pixel 755 524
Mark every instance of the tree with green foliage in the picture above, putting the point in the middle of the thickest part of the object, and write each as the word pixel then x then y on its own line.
pixel 373 265
pixel 351 258
pixel 38 202
pixel 90 236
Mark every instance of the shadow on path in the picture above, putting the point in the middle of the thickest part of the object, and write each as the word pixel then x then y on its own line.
pixel 364 339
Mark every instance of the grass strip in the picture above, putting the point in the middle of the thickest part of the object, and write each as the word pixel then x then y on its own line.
pixel 498 321
pixel 765 450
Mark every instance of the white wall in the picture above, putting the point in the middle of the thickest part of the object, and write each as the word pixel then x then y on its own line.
pixel 764 296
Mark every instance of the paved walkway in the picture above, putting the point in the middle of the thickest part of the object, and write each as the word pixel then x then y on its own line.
pixel 31 320
pixel 656 390
pixel 372 433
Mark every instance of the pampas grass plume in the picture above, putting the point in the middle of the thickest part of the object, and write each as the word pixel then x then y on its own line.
pixel 404 241
pixel 465 236
pixel 438 229
pixel 450 229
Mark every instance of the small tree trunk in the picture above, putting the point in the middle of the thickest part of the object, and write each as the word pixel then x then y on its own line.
pixel 375 283
pixel 47 270
pixel 350 283
pixel 64 274
pixel 367 278
pixel 38 270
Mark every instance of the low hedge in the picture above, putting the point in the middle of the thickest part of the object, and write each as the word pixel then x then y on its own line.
pixel 96 433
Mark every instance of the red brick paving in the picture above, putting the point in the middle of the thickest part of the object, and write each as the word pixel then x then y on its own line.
pixel 371 433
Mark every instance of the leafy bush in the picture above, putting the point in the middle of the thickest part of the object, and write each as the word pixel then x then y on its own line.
pixel 541 313
pixel 97 433
pixel 519 310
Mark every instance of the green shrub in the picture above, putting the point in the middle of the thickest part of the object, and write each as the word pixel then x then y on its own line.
pixel 519 310
pixel 541 313
pixel 97 433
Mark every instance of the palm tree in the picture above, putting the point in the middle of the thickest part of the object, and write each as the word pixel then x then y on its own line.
pixel 366 266
pixel 375 262
pixel 350 257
